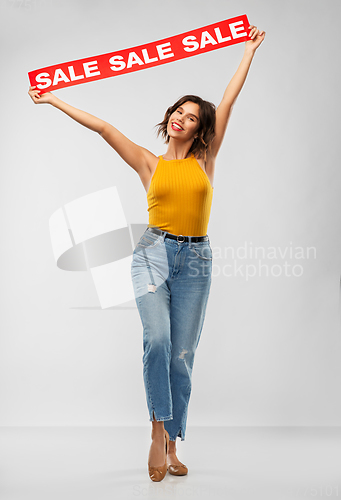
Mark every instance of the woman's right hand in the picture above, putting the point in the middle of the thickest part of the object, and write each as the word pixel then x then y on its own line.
pixel 39 98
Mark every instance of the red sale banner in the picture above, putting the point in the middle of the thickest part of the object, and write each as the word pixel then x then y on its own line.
pixel 198 41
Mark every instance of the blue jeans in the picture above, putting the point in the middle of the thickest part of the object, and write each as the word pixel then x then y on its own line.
pixel 171 281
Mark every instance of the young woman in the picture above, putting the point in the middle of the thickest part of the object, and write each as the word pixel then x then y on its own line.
pixel 172 262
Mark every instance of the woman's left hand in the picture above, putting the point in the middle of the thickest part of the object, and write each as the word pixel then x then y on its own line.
pixel 256 38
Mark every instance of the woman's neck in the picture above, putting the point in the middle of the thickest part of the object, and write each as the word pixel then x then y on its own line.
pixel 177 151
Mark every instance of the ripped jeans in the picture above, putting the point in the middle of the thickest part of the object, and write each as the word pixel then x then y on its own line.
pixel 171 281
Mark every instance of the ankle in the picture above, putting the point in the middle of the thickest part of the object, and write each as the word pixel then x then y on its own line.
pixel 158 432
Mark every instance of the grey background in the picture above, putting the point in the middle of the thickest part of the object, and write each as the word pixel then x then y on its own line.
pixel 270 349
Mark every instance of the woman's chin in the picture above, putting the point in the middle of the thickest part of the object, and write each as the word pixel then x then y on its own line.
pixel 177 137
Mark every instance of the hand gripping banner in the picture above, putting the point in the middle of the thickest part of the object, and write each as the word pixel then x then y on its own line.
pixel 198 41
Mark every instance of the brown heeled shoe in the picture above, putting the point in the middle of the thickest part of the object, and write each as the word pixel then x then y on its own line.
pixel 158 473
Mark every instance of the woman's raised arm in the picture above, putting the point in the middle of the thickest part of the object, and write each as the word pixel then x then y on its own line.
pixel 233 89
pixel 137 157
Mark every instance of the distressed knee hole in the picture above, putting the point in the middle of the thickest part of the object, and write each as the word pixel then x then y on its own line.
pixel 151 288
pixel 182 355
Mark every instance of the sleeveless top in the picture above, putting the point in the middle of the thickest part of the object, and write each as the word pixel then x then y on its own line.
pixel 180 197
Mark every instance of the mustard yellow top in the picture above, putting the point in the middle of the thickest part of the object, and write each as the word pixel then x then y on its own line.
pixel 180 197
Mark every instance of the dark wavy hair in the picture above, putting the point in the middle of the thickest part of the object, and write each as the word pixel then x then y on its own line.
pixel 206 130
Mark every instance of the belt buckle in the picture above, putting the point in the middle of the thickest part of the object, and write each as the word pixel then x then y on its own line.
pixel 177 238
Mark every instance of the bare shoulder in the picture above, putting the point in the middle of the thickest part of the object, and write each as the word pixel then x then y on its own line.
pixel 208 166
pixel 148 168
pixel 150 159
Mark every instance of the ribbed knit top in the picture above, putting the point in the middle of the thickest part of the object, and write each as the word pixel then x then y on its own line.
pixel 180 197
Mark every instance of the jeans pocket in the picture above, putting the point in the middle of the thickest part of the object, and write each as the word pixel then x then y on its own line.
pixel 149 240
pixel 204 252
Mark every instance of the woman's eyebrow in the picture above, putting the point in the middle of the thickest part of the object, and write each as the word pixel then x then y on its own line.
pixel 182 109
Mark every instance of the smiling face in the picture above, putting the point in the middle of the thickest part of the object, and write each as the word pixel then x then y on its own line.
pixel 184 122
